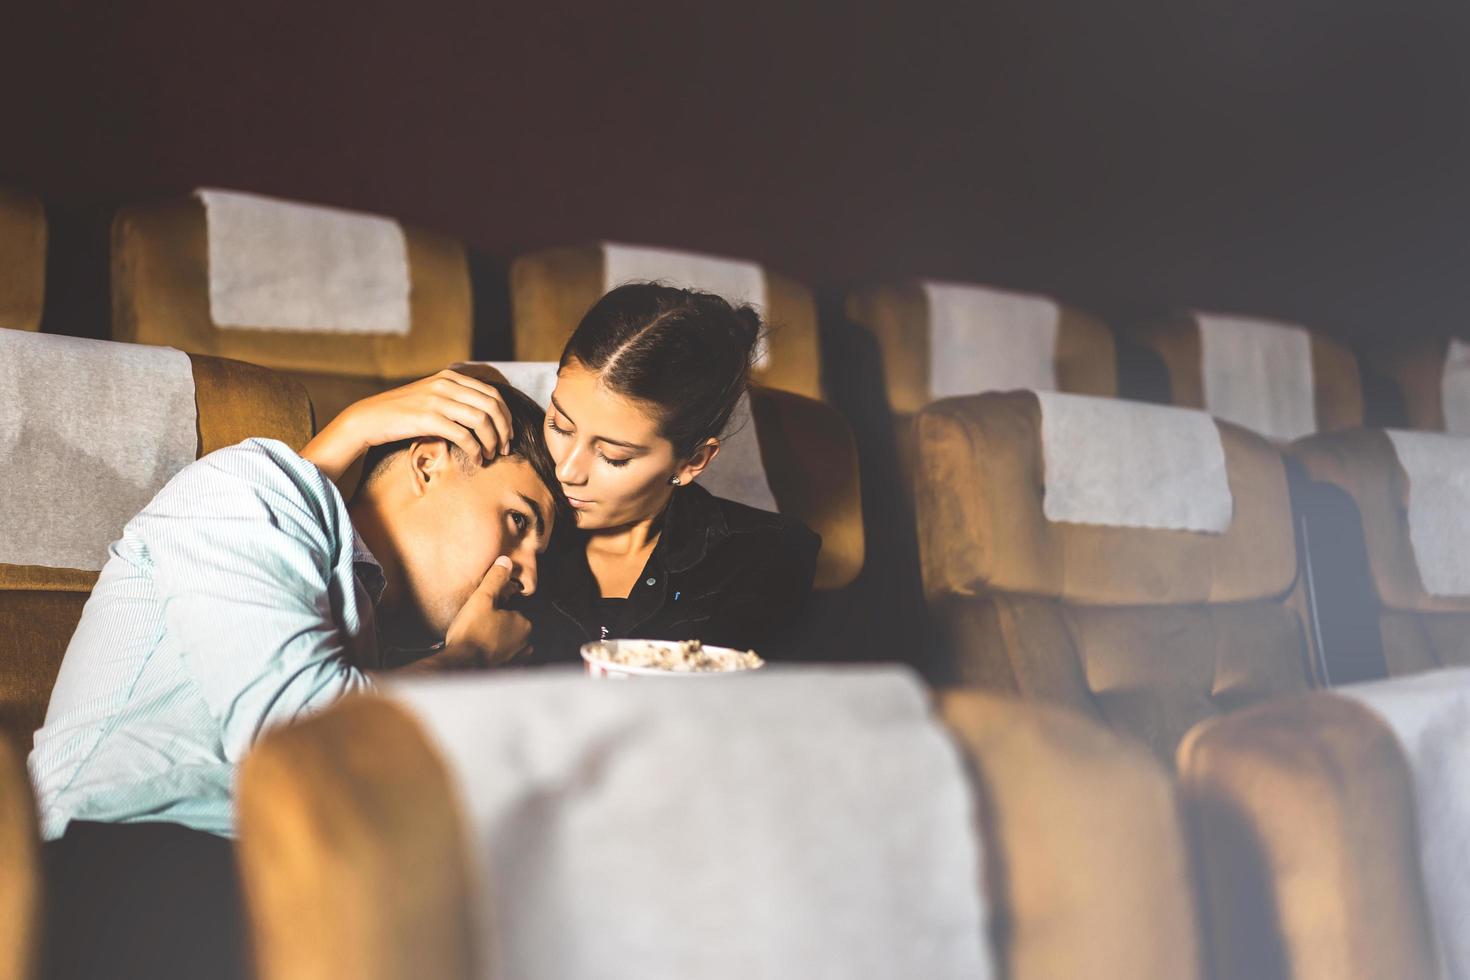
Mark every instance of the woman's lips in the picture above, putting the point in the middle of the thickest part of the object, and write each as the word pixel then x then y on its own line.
pixel 578 504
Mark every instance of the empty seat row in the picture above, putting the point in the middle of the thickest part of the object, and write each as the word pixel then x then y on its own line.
pixel 354 303
pixel 830 823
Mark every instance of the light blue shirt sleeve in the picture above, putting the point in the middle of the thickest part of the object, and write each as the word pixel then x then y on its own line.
pixel 247 557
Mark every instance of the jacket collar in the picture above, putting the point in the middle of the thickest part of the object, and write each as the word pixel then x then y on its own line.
pixel 693 524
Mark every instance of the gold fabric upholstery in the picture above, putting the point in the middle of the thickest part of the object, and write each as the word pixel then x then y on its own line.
pixel 22 260
pixel 1420 631
pixel 352 853
pixel 811 465
pixel 552 289
pixel 1417 368
pixel 160 295
pixel 898 317
pixel 981 526
pixel 1363 463
pixel 1086 860
pixel 1150 631
pixel 20 867
pixel 41 606
pixel 1337 388
pixel 1305 827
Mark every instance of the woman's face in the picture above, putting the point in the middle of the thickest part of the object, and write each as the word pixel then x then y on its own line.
pixel 613 465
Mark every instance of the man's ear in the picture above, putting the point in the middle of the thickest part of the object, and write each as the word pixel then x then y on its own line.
pixel 699 462
pixel 428 463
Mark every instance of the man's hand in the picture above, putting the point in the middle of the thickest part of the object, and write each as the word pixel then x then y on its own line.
pixel 483 633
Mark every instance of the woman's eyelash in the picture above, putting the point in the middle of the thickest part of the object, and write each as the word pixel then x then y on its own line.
pixel 551 424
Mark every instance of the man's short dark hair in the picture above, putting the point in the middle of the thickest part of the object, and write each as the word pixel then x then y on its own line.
pixel 528 440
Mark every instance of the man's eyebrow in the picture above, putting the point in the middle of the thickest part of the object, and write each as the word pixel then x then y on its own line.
pixel 535 509
pixel 611 442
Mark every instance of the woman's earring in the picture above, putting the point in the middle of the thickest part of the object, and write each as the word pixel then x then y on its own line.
pixel 674 480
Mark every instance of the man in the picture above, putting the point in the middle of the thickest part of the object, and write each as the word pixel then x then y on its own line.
pixel 247 593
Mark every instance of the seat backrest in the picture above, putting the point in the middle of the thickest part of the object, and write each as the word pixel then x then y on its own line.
pixel 941 340
pixel 20 856
pixel 552 289
pixel 1281 380
pixel 1330 830
pixel 1403 502
pixel 1129 560
pixel 94 429
pixel 827 811
pixel 22 260
pixel 350 304
pixel 784 452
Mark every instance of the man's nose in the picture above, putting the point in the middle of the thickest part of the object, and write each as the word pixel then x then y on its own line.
pixel 524 571
pixel 572 471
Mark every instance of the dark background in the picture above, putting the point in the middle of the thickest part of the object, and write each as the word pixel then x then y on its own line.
pixel 1306 159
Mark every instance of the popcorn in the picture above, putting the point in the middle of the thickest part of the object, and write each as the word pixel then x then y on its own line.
pixel 686 656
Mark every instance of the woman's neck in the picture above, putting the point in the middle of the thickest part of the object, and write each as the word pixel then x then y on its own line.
pixel 627 540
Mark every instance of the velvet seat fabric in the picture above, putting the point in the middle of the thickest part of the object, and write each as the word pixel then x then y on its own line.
pixel 898 317
pixel 1304 818
pixel 1418 631
pixel 356 859
pixel 160 295
pixel 1337 391
pixel 22 260
pixel 1148 630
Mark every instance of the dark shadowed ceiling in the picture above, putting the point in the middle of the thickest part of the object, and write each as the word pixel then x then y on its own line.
pixel 1302 158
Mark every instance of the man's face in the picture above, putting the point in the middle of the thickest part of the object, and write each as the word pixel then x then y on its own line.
pixel 454 519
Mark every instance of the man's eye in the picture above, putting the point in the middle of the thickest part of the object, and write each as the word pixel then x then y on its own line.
pixel 521 521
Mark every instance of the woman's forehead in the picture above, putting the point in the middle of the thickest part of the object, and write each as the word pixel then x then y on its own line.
pixel 599 411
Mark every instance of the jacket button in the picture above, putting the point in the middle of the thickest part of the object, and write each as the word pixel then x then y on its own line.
pixel 649 581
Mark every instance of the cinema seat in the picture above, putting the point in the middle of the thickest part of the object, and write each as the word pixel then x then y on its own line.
pixel 1330 831
pixel 161 294
pixel 552 289
pixel 411 834
pixel 22 260
pixel 794 452
pixel 942 340
pixel 1379 609
pixel 20 857
pixel 1278 379
pixel 1432 378
pixel 1149 629
pixel 60 489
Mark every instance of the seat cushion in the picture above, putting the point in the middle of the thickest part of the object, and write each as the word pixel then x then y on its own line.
pixel 1152 673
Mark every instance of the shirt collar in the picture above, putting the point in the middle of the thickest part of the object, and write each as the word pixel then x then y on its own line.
pixel 367 568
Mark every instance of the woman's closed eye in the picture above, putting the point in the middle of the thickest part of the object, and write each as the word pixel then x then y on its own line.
pixel 610 460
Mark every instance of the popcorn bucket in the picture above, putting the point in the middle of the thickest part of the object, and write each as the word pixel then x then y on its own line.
pixel 622 659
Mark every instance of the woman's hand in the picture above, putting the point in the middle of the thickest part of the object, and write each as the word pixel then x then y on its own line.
pixel 457 408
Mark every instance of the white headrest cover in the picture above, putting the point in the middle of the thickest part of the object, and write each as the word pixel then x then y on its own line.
pixel 1127 464
pixel 1258 374
pixel 987 340
pixel 277 265
pixel 1430 714
pixel 1438 468
pixel 795 823
pixel 90 431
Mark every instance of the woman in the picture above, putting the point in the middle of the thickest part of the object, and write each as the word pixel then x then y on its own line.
pixel 645 390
